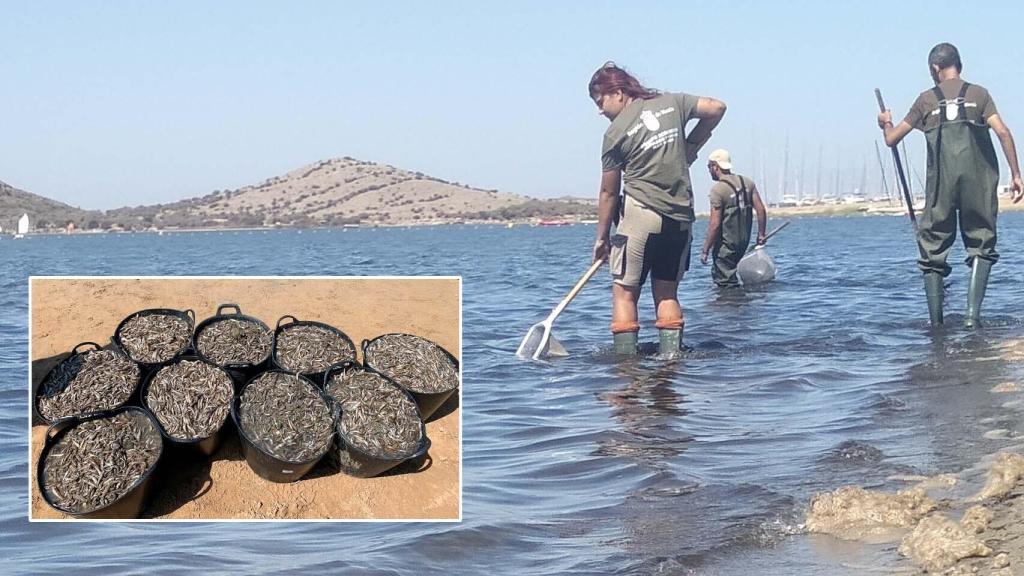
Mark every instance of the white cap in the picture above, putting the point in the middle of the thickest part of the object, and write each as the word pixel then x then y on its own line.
pixel 722 158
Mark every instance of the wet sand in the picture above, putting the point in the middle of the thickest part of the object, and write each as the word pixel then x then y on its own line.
pixel 67 312
pixel 969 523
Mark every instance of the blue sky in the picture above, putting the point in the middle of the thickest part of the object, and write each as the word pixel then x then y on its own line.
pixel 105 104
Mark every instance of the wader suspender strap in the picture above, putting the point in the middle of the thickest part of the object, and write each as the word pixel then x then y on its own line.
pixel 741 190
pixel 737 193
pixel 961 114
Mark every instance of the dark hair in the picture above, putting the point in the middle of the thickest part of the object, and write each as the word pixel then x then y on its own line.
pixel 945 55
pixel 610 78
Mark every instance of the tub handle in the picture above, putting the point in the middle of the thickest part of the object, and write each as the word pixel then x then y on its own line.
pixel 294 320
pixel 191 315
pixel 423 449
pixel 59 426
pixel 95 347
pixel 220 309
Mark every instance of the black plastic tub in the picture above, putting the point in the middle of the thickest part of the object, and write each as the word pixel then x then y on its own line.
pixel 199 446
pixel 314 376
pixel 362 464
pixel 240 372
pixel 133 502
pixel 428 402
pixel 74 353
pixel 187 315
pixel 265 464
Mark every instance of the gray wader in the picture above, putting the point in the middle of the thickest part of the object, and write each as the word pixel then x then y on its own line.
pixel 963 175
pixel 731 245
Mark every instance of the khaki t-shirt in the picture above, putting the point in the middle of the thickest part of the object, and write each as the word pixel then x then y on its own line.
pixel 723 196
pixel 646 141
pixel 925 114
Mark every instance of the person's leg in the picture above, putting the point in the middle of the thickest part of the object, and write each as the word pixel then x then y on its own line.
pixel 629 269
pixel 624 318
pixel 937 231
pixel 670 320
pixel 723 270
pixel 670 261
pixel 979 206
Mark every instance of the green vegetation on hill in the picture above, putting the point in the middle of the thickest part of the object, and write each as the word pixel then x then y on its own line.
pixel 542 209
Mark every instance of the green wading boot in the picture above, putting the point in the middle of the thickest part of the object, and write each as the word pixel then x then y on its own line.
pixel 933 292
pixel 625 343
pixel 976 292
pixel 668 340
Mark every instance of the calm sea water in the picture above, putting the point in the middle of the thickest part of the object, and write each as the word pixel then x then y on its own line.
pixel 590 464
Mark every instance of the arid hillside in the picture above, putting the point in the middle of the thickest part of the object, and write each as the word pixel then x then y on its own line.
pixel 336 192
pixel 43 212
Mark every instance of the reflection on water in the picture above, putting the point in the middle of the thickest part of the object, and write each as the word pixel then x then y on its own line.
pixel 701 464
pixel 648 408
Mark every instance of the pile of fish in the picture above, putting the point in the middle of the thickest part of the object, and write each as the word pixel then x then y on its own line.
pixel 309 349
pixel 233 341
pixel 286 416
pixel 88 382
pixel 92 462
pixel 377 417
pixel 99 461
pixel 190 398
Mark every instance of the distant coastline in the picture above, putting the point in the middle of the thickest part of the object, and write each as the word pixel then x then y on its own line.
pixel 775 212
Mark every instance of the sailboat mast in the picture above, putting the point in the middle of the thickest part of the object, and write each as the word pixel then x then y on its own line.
pixel 785 167
pixel 817 187
pixel 800 182
pixel 881 167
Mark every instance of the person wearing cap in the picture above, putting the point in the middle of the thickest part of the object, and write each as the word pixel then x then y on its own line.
pixel 647 153
pixel 734 199
pixel 962 177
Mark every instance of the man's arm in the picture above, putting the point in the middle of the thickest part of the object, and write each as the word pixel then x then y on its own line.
pixel 1010 151
pixel 709 111
pixel 714 227
pixel 607 204
pixel 762 217
pixel 893 134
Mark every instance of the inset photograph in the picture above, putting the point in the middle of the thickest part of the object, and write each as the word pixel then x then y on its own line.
pixel 235 398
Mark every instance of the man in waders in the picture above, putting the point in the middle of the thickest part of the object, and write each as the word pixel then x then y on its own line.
pixel 963 175
pixel 734 199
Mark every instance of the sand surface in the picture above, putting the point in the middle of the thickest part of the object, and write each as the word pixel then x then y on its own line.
pixel 66 312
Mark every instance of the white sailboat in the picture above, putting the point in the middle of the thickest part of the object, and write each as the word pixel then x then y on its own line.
pixel 22 226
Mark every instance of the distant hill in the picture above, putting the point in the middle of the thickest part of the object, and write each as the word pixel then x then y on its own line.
pixel 43 212
pixel 331 192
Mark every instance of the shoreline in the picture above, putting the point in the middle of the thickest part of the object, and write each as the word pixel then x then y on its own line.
pixel 860 209
pixel 967 522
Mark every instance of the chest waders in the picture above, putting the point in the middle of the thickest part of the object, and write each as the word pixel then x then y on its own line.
pixel 731 245
pixel 962 178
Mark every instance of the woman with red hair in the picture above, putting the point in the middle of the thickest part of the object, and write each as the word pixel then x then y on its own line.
pixel 647 153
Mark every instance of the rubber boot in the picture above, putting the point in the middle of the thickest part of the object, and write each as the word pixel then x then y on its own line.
pixel 625 343
pixel 976 292
pixel 933 290
pixel 668 341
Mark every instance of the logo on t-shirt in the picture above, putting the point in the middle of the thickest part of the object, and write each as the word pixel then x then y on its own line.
pixel 650 120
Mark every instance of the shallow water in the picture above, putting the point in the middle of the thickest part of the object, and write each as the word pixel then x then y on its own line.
pixel 589 464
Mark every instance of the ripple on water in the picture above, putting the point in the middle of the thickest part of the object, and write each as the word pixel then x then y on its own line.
pixel 589 464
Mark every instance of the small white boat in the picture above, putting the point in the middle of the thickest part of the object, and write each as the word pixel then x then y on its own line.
pixel 22 226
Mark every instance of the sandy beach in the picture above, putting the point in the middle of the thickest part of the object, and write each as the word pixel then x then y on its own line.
pixel 65 312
